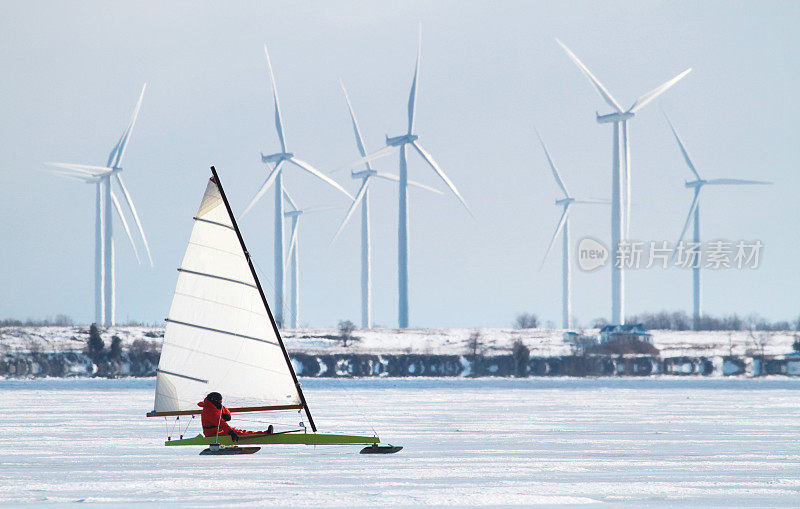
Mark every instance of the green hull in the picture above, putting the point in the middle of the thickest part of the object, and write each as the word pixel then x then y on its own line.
pixel 279 438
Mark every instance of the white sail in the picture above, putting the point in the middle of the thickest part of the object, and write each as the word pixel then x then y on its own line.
pixel 219 336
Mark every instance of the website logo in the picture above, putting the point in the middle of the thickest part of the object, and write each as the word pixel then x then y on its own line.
pixel 592 254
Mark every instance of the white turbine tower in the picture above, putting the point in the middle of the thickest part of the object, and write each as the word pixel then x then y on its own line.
pixel 276 177
pixel 563 227
pixel 620 201
pixel 293 255
pixel 102 176
pixel 362 197
pixel 694 213
pixel 400 143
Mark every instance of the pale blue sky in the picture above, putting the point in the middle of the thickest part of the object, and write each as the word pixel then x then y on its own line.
pixel 491 71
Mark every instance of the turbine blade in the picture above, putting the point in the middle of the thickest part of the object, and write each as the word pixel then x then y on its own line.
pixel 129 201
pixel 310 169
pixel 93 171
pixel 292 244
pixel 125 225
pixel 429 159
pixel 412 96
pixel 112 156
pixel 736 182
pixel 359 196
pixel 123 141
pixel 395 178
pixel 605 94
pixel 81 177
pixel 552 166
pixel 356 131
pixel 593 202
pixel 383 152
pixel 689 215
pixel 264 187
pixel 649 96
pixel 289 199
pixel 683 149
pixel 278 118
pixel 559 227
pixel 314 210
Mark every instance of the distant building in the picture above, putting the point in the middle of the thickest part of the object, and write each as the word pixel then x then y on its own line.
pixel 613 333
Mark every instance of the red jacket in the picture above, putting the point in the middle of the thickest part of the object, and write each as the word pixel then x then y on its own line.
pixel 211 417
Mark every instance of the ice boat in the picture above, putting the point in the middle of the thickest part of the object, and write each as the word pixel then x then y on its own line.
pixel 221 337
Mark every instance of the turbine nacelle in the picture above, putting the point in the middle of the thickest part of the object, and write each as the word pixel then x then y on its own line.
pixel 99 178
pixel 363 174
pixel 565 201
pixel 695 183
pixel 401 140
pixel 293 213
pixel 274 158
pixel 613 117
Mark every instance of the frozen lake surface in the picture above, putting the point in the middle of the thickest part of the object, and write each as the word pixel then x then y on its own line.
pixel 637 442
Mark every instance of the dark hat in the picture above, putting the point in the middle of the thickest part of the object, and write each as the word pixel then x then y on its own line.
pixel 214 397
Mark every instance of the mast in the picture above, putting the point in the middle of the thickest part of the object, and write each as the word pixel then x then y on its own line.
pixel 263 298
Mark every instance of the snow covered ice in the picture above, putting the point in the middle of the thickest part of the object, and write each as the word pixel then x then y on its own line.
pixel 638 442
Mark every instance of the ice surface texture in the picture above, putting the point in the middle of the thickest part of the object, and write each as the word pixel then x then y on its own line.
pixel 655 442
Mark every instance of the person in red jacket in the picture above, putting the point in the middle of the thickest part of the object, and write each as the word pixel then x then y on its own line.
pixel 215 417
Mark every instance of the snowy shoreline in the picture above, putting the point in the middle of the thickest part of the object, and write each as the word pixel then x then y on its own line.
pixel 540 342
pixel 60 352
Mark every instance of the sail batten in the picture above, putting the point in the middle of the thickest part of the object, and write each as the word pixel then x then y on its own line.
pixel 212 222
pixel 222 331
pixel 219 335
pixel 182 376
pixel 221 278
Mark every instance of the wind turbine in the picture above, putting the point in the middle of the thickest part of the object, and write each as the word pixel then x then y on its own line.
pixel 362 197
pixel 293 255
pixel 563 226
pixel 620 204
pixel 102 176
pixel 276 177
pixel 694 213
pixel 400 143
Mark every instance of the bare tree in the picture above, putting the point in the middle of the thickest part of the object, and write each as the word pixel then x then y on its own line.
pixel 730 344
pixel 475 344
pixel 63 320
pixel 346 328
pixel 526 321
pixel 760 341
pixel 142 346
